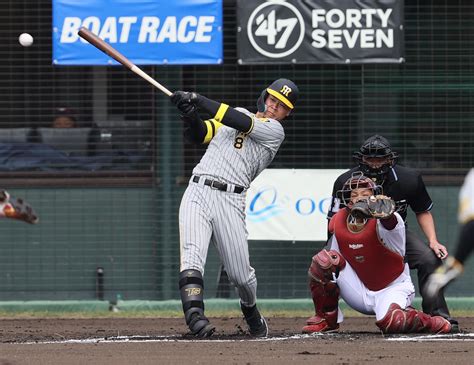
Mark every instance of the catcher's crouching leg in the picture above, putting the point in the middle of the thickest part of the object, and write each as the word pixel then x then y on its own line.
pixel 410 320
pixel 191 287
pixel 324 291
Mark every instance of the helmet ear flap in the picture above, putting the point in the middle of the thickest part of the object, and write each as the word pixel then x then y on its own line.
pixel 261 107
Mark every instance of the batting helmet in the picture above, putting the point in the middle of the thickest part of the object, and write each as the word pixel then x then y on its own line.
pixel 379 147
pixel 357 181
pixel 283 89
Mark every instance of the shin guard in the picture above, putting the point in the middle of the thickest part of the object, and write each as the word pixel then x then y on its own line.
pixel 324 291
pixel 191 287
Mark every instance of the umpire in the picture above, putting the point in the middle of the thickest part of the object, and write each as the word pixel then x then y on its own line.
pixel 376 159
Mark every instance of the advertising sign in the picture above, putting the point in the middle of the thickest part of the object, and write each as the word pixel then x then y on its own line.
pixel 290 204
pixel 320 31
pixel 148 32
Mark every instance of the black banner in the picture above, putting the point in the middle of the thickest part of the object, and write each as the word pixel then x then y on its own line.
pixel 320 31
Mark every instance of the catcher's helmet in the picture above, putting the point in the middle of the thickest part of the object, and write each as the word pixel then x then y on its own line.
pixel 283 89
pixel 376 146
pixel 357 181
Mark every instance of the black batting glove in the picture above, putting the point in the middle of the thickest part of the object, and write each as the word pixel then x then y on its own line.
pixel 185 101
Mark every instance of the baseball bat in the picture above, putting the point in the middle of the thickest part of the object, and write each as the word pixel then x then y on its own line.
pixel 116 55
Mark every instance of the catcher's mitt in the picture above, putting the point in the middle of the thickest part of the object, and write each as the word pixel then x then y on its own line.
pixel 376 206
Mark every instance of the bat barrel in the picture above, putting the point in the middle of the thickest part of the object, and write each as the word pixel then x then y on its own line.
pixel 104 47
pixel 116 55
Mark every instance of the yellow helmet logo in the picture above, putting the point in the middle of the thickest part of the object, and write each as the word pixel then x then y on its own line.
pixel 285 90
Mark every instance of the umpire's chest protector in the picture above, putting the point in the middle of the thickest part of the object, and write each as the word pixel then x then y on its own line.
pixel 375 265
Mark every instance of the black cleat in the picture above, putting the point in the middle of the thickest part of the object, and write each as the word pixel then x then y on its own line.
pixel 200 327
pixel 206 331
pixel 261 330
pixel 257 324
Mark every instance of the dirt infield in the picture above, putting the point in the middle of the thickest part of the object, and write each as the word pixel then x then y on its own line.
pixel 161 341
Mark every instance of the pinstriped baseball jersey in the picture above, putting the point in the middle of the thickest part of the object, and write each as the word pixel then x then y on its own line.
pixel 236 158
pixel 466 199
pixel 209 215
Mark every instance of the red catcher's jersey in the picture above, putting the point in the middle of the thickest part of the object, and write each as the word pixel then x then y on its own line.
pixel 375 265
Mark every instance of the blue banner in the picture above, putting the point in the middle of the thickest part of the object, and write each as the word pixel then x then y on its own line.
pixel 148 32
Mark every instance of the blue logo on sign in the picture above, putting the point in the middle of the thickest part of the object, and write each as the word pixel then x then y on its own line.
pixel 264 205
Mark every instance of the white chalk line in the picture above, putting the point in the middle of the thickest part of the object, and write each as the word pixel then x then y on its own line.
pixel 442 337
pixel 141 339
pixel 179 338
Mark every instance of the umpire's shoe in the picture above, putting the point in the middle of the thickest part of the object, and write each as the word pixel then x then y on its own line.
pixel 257 324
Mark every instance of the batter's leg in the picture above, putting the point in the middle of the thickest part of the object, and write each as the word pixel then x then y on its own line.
pixel 424 260
pixel 195 229
pixel 230 238
pixel 465 246
pixel 191 287
pixel 195 234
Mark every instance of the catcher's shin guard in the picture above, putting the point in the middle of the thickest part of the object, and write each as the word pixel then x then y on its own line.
pixel 410 320
pixel 324 291
pixel 191 287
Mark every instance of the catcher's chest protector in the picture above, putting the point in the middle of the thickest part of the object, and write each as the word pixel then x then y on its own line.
pixel 374 264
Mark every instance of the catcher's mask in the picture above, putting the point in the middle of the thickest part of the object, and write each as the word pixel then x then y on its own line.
pixel 357 181
pixel 283 89
pixel 376 146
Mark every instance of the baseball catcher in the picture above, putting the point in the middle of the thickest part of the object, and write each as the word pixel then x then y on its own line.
pixel 365 266
pixel 378 161
pixel 16 208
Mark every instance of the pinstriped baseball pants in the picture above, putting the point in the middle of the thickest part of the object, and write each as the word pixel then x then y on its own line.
pixel 207 215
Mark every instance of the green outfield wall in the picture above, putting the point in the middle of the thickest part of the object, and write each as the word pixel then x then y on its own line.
pixel 135 241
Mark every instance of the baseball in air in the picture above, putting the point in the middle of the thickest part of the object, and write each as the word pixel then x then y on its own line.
pixel 25 39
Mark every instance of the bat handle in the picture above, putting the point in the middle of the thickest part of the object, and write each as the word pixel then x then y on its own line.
pixel 150 79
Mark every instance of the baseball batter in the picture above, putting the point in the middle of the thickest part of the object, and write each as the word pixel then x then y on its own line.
pixel 241 145
pixel 365 266
pixel 454 266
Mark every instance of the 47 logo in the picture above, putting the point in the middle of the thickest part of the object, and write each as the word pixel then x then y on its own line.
pixel 276 29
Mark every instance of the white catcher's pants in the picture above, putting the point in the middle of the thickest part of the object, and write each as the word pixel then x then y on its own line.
pixel 401 291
